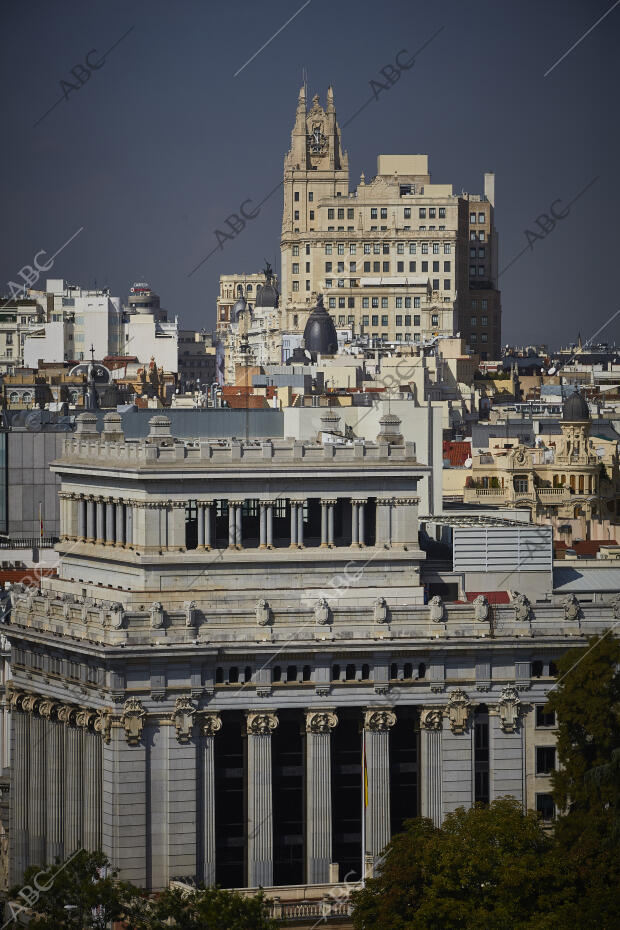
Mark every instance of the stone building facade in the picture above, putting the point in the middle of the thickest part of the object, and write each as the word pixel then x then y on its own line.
pixel 230 621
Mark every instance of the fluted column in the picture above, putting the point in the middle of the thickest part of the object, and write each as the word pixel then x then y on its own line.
pixel 431 725
pixel 293 506
pixel 72 781
pixel 20 729
pixel 259 727
pixel 263 526
pixel 81 526
pixel 211 724
pixel 91 528
pixel 120 524
pixel 64 515
pixel 232 532
pixel 92 777
pixel 270 525
pixel 319 724
pixel 354 524
pixel 377 723
pixel 36 787
pixel 330 523
pixel 323 524
pixel 129 536
pixel 361 511
pixel 208 521
pixel 201 526
pixel 110 523
pixel 100 527
pixel 239 524
pixel 300 524
pixel 54 754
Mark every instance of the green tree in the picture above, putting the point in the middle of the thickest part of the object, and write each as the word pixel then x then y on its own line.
pixel 203 909
pixel 586 784
pixel 80 893
pixel 487 867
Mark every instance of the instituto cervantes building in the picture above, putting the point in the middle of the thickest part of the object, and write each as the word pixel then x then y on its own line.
pixel 231 620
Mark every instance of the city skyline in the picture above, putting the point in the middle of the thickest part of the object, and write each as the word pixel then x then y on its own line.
pixel 192 142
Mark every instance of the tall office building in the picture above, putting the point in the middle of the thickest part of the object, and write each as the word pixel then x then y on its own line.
pixel 400 258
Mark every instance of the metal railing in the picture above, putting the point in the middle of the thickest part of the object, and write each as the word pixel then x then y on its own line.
pixel 28 542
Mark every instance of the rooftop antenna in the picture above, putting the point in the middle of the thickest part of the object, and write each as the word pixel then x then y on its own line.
pixel 304 78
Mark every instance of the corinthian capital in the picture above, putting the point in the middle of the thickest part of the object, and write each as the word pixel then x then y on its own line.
pixel 320 721
pixel 377 721
pixel 261 723
pixel 210 723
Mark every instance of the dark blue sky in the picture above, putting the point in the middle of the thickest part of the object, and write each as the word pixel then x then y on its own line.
pixel 163 143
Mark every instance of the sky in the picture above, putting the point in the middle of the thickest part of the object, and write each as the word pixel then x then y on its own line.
pixel 171 116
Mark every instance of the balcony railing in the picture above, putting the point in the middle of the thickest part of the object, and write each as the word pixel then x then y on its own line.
pixel 28 542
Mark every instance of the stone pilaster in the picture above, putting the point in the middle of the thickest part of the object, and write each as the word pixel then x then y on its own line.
pixel 377 724
pixel 431 725
pixel 91 749
pixel 73 783
pixel 210 725
pixel 259 727
pixel 319 724
pixel 54 763
pixel 36 787
pixel 120 524
pixel 20 774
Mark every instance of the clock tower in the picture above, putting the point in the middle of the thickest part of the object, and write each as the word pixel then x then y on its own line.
pixel 314 168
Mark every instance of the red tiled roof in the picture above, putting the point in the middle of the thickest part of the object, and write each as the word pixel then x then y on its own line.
pixel 456 452
pixel 493 597
pixel 585 547
pixel 27 575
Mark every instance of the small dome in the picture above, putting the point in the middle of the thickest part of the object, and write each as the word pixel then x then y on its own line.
pixel 238 307
pixel 320 332
pixel 575 408
pixel 267 295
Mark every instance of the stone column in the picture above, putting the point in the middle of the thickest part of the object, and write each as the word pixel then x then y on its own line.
pixel 431 725
pixel 81 530
pixel 239 524
pixel 354 524
pixel 201 526
pixel 270 526
pixel 383 522
pixel 263 526
pixel 54 759
pixel 110 521
pixel 36 787
pixel 330 523
pixel 323 524
pixel 300 524
pixel 377 723
pixel 362 526
pixel 293 506
pixel 259 727
pixel 231 525
pixel 91 748
pixel 64 515
pixel 208 523
pixel 129 538
pixel 120 524
pixel 20 776
pixel 91 529
pixel 100 530
pixel 405 522
pixel 319 724
pixel 210 724
pixel 73 808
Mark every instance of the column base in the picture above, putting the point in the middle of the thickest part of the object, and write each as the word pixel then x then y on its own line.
pixel 293 546
pixel 324 546
pixel 263 546
pixel 200 548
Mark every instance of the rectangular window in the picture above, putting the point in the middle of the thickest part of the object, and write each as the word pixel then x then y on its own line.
pixel 386 248
pixel 375 303
pixel 472 252
pixel 332 303
pixel 375 319
pixel 472 271
pixel 310 196
pixel 432 213
pixel 307 285
pixel 435 266
pixel 340 267
pixel 367 248
pixel 481 218
pixel 407 303
pixel 484 337
pixel 384 303
pixel 416 337
pixel 481 271
pixel 365 320
pixel 400 266
pixel 484 304
pixel 330 213
pixel 435 248
pixel 435 284
pixel 328 267
pixel 407 319
pixel 481 235
pixel 425 248
pixel 384 320
pixel 472 235
pixel 384 213
pixel 352 266
pixel 311 214
pixel 328 282
pixel 473 321
pixel 485 321
pixel 400 248
pixel 472 217
pixel 366 266
pixel 340 213
pixel 481 253
pixel 341 305
pixel 307 248
pixel 376 248
pixel 296 196
pixel 350 319
pixel 424 266
pixel 373 213
pixel 399 320
pixel 545 807
pixel 446 284
pixel 350 214
pixel 350 303
pixel 412 266
pixel 352 248
pixel 295 285
pixel 341 248
pixel 544 718
pixel 412 246
pixel 442 213
pixel 399 337
pixel 422 213
pixel 399 303
pixel 447 248
pixel 446 266
pixel 416 302
pixel 295 250
pixel 296 267
pixel 296 215
pixel 328 248
pixel 386 267
pixel 545 760
pixel 407 213
pixel 307 267
pixel 416 319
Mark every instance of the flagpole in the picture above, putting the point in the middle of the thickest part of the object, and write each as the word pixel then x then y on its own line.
pixel 40 522
pixel 364 776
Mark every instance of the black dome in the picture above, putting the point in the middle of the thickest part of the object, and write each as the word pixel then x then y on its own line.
pixel 575 408
pixel 320 332
pixel 267 295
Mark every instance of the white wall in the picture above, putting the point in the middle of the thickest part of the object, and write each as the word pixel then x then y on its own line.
pixel 50 348
pixel 142 340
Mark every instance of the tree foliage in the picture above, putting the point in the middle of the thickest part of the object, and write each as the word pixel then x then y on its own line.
pixel 203 909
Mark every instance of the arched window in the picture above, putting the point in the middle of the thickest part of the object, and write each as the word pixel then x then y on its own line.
pixel 421 670
pixel 393 670
pixel 350 675
pixel 307 673
pixel 13 397
pixel 240 290
pixel 219 676
pixel 249 288
pixel 277 673
pixel 248 673
pixel 233 675
pixel 336 673
pixel 537 669
pixel 291 673
pixel 408 672
pixel 365 672
pixel 27 397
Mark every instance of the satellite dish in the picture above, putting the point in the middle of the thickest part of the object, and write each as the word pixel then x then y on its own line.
pixel 552 370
